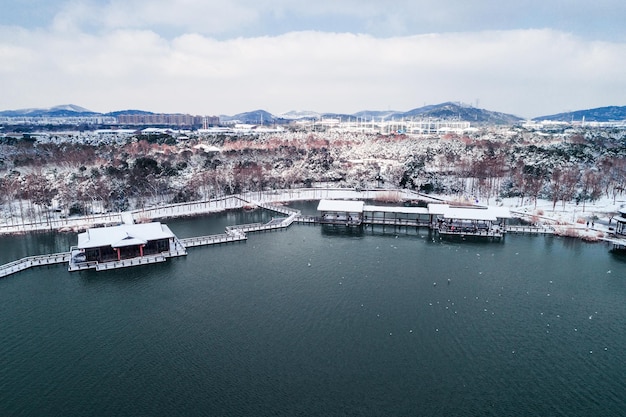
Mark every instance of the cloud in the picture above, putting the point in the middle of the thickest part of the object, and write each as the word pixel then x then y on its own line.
pixel 599 20
pixel 525 72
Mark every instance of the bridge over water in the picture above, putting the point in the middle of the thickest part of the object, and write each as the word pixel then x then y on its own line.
pixel 235 233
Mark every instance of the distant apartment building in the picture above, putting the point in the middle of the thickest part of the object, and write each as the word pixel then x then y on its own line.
pixel 164 119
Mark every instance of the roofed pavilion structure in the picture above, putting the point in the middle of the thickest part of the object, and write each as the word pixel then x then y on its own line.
pixel 124 242
pixel 618 237
pixel 470 220
pixel 397 216
pixel 620 227
pixel 341 212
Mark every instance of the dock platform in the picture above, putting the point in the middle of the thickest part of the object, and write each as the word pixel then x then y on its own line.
pixel 33 261
pixel 192 242
pixel 522 229
pixel 396 217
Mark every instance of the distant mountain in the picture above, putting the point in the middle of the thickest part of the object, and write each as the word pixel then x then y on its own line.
pixel 470 114
pixel 600 114
pixel 342 116
pixel 300 115
pixel 448 110
pixel 252 117
pixel 65 110
pixel 124 112
pixel 376 114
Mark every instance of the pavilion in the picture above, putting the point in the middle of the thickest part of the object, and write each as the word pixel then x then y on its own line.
pixel 341 212
pixel 470 220
pixel 620 228
pixel 396 216
pixel 124 242
pixel 618 235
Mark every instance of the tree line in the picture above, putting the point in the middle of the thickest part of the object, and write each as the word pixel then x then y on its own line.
pixel 39 181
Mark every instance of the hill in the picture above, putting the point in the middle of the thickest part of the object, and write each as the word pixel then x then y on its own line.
pixel 253 117
pixel 599 114
pixel 65 110
pixel 447 110
pixel 125 112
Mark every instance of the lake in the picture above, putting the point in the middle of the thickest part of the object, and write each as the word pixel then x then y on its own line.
pixel 319 321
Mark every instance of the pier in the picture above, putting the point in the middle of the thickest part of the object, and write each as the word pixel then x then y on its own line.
pixel 527 229
pixel 113 251
pixel 99 256
pixel 192 242
pixel 33 261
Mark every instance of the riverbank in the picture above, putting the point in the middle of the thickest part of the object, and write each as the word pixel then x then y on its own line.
pixel 197 208
pixel 591 223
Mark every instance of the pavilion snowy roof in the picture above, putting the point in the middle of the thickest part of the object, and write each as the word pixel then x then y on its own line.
pixel 438 208
pixel 129 241
pixel 391 209
pixel 123 235
pixel 470 212
pixel 344 206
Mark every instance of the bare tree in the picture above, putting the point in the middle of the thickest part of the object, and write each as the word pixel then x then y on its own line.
pixel 591 185
pixel 40 192
pixel 570 178
pixel 556 186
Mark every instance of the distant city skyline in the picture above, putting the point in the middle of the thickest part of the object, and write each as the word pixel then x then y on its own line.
pixel 527 58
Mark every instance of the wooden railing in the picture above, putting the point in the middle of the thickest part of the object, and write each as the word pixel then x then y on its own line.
pixel 33 261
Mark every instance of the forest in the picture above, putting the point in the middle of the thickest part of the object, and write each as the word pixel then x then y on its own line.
pixel 68 178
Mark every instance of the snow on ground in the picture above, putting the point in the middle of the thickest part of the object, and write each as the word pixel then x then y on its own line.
pixel 591 221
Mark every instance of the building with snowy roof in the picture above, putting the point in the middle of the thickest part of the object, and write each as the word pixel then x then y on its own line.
pixel 124 242
pixel 470 220
pixel 341 212
pixel 446 219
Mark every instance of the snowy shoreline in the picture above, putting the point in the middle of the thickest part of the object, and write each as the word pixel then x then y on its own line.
pixel 568 219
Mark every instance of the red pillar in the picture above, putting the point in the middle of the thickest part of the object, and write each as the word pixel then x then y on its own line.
pixel 119 256
pixel 141 250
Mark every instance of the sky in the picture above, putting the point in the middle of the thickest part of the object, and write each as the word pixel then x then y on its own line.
pixel 528 58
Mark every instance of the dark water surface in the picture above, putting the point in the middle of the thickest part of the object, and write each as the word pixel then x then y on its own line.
pixel 323 322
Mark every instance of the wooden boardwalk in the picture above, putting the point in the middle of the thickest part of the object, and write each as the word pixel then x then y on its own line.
pixel 33 261
pixel 238 233
pixel 145 260
pixel 306 219
pixel 498 233
pixel 288 211
pixel 542 230
pixel 485 233
pixel 191 242
pixel 396 222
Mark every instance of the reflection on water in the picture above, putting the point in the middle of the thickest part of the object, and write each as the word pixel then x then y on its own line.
pixel 320 321
pixel 14 247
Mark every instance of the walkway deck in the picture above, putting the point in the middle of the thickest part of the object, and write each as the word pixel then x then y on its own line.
pixel 288 211
pixel 306 219
pixel 396 222
pixel 618 242
pixel 33 261
pixel 238 234
pixel 130 262
pixel 177 249
pixel 401 222
pixel 543 230
pixel 484 233
pixel 192 242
